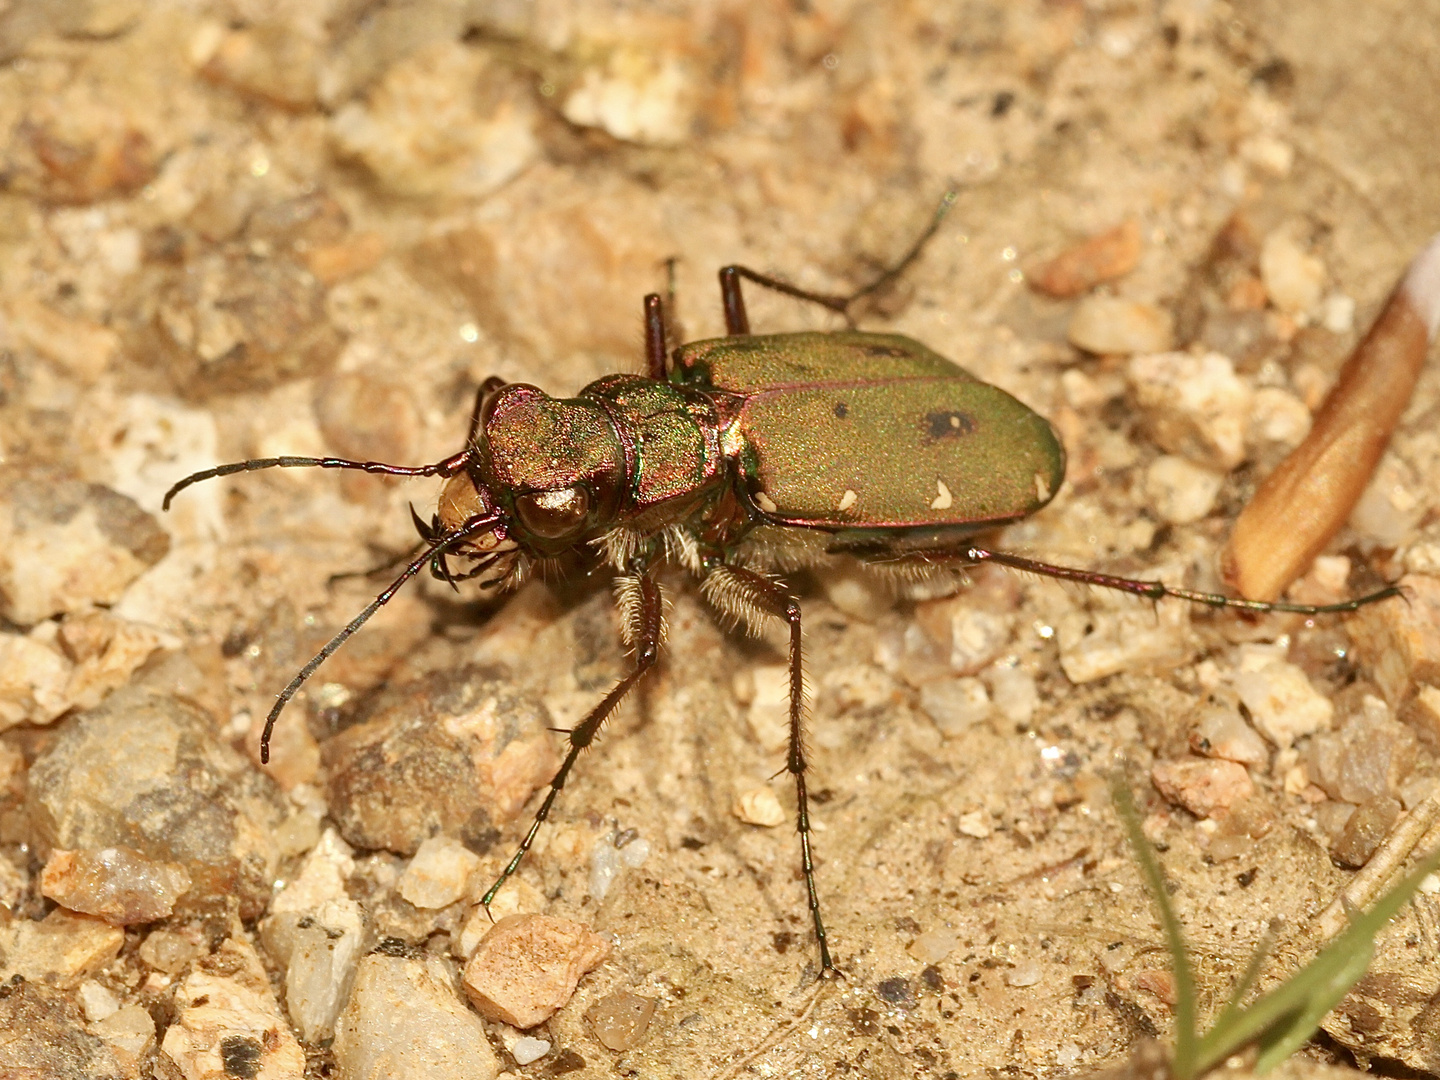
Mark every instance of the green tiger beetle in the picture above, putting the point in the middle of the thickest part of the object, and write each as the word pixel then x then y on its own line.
pixel 739 458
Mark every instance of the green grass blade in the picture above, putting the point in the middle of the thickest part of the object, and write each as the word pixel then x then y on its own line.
pixel 1285 1018
pixel 1184 1065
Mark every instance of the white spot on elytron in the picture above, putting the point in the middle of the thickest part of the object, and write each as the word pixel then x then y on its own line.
pixel 765 502
pixel 847 500
pixel 942 501
pixel 1042 487
pixel 954 421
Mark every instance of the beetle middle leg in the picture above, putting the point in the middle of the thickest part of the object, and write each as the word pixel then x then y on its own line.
pixel 737 321
pixel 640 595
pixel 746 595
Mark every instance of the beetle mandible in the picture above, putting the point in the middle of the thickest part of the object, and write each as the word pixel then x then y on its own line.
pixel 738 458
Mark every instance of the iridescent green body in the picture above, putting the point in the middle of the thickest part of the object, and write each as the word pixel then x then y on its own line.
pixel 856 434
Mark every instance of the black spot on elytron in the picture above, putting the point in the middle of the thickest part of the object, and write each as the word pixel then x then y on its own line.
pixel 841 410
pixel 948 425
pixel 240 1056
pixel 884 350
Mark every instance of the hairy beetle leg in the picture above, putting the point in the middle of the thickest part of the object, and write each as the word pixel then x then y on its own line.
pixel 649 620
pixel 747 593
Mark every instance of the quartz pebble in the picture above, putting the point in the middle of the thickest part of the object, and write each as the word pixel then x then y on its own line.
pixel 1195 406
pixel 318 933
pixel 1103 257
pixel 1283 705
pixel 1180 491
pixel 119 884
pixel 1099 643
pixel 168 951
pixel 608 862
pixel 758 806
pixel 528 966
pixel 527 1050
pixel 934 945
pixel 955 704
pixel 1205 788
pixel 45 1036
pixel 130 1032
pixel 404 1021
pixel 61 949
pixel 453 754
pixel 1112 325
pixel 1368 758
pixel 1014 692
pixel 1365 830
pixel 437 874
pixel 1294 279
pixel 229 1023
pixel 620 1020
pixel 145 770
pixel 1223 733
pixel 97 1000
pixel 1399 642
pixel 1278 419
pixel 34 679
pixel 67 546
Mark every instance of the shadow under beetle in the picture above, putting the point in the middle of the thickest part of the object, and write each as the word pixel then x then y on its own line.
pixel 738 458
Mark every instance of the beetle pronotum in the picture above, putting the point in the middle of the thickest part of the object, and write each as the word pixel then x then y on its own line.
pixel 736 458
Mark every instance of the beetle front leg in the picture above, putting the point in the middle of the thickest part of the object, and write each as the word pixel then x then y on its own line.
pixel 750 597
pixel 640 595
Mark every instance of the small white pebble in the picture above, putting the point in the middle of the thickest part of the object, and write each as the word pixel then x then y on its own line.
pixel 975 823
pixel 758 806
pixel 1180 491
pixel 1337 313
pixel 1293 277
pixel 1025 973
pixel 528 1049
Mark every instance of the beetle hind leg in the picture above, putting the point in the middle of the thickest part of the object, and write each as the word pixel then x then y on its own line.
pixel 643 608
pixel 737 321
pixel 751 598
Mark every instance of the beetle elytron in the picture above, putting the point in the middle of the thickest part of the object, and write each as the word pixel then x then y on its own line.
pixel 737 458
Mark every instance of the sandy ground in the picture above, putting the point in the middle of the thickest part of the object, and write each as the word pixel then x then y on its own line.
pixel 490 189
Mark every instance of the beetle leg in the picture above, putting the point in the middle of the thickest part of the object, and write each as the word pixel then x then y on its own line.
pixel 750 596
pixel 1146 590
pixel 645 625
pixel 738 322
pixel 655 337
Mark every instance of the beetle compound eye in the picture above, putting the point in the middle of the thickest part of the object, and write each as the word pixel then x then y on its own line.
pixel 552 514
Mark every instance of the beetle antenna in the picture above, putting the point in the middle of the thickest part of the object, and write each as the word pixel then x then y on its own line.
pixel 449 467
pixel 438 548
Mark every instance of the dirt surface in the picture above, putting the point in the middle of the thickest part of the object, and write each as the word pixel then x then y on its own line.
pixel 259 227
